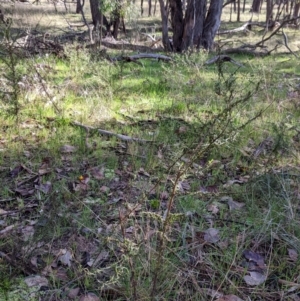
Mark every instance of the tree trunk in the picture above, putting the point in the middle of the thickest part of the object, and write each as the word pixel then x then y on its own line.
pixel 193 23
pixel 212 23
pixel 154 11
pixel 79 6
pixel 149 8
pixel 296 12
pixel 238 19
pixel 269 14
pixel 95 11
pixel 164 18
pixel 177 23
pixel 192 26
pixel 256 5
pixel 142 7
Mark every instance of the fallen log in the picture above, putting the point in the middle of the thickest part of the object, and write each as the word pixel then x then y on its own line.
pixel 222 58
pixel 133 58
pixel 108 133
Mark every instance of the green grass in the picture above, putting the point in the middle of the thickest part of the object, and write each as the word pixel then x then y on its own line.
pixel 109 197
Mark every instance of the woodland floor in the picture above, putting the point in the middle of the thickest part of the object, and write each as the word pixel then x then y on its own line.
pixel 192 193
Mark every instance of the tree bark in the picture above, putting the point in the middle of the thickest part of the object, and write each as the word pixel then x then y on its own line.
pixel 193 23
pixel 192 26
pixel 177 23
pixel 212 23
pixel 164 18
pixel 149 8
pixel 142 7
pixel 256 5
pixel 95 11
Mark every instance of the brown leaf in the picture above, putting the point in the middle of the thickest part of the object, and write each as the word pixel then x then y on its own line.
pixel 212 235
pixel 45 188
pixel 61 274
pixel 183 186
pixel 72 293
pixel 213 208
pixel 27 232
pixel 67 149
pixel 24 191
pixel 293 254
pixel 89 297
pixel 15 172
pixel 255 278
pixel 66 257
pixel 143 172
pixel 229 298
pixel 6 230
pixel 209 189
pixel 235 205
pixel 104 189
pixel 97 173
pixel 36 281
pixel 164 195
pixel 254 257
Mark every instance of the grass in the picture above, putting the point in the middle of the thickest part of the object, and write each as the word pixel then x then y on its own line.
pixel 103 201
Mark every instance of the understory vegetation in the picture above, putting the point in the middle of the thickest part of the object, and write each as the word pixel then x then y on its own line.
pixel 148 180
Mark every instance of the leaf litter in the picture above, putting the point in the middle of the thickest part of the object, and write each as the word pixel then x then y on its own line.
pixel 115 224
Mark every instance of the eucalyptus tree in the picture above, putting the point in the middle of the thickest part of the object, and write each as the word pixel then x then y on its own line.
pixel 194 25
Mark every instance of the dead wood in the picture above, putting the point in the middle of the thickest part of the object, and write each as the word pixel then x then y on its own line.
pixel 133 58
pixel 243 28
pixel 110 42
pixel 223 58
pixel 109 133
pixel 251 49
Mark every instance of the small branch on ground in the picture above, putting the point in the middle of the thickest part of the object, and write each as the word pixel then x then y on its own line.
pixel 286 44
pixel 221 59
pixel 108 133
pixel 133 58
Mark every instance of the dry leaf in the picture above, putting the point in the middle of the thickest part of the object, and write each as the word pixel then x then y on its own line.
pixel 3 212
pixel 164 196
pixel 61 274
pixel 45 188
pixel 36 280
pixel 235 205
pixel 143 172
pixel 229 298
pixel 254 257
pixel 255 278
pixel 231 203
pixel 183 186
pixel 212 235
pixel 97 173
pixel 6 229
pixel 27 232
pixel 66 149
pixel 213 208
pixel 72 293
pixel 66 257
pixel 293 254
pixel 14 173
pixel 89 297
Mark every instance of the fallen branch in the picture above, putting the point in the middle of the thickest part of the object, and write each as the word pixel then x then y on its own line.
pixel 108 133
pixel 286 44
pixel 243 28
pixel 223 58
pixel 133 58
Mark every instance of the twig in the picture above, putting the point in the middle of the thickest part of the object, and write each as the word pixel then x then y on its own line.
pixel 108 133
pixel 133 58
pixel 286 44
pixel 223 58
